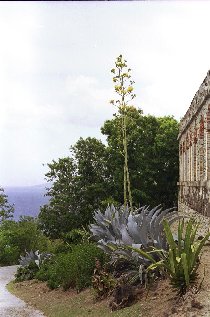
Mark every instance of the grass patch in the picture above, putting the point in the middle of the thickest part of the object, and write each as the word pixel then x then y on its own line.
pixel 57 303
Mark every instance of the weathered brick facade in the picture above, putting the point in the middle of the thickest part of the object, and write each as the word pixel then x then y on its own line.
pixel 194 152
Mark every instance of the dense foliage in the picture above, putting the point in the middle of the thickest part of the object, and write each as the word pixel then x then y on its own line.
pixel 18 237
pixel 25 273
pixel 153 158
pixel 72 269
pixel 78 186
pixel 93 175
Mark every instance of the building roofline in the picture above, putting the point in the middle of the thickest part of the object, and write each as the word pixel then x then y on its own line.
pixel 200 97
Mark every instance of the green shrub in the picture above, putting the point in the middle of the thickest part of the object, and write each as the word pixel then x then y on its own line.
pixel 30 265
pixel 76 236
pixel 57 246
pixel 84 258
pixel 8 253
pixel 44 272
pixel 27 272
pixel 57 273
pixel 74 269
pixel 18 237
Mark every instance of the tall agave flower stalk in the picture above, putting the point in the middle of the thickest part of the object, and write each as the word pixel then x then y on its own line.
pixel 124 89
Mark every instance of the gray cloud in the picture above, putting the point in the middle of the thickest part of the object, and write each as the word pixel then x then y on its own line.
pixel 55 78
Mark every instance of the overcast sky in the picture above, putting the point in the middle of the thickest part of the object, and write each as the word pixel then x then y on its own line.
pixel 55 80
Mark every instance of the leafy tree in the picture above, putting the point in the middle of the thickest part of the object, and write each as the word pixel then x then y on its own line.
pixel 93 176
pixel 58 215
pixel 18 237
pixel 79 186
pixel 6 209
pixel 153 157
pixel 167 158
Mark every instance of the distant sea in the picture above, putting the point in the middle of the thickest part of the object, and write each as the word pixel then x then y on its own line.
pixel 27 200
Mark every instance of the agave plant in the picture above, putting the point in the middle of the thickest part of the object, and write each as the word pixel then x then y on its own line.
pixel 30 265
pixel 33 256
pixel 182 259
pixel 120 232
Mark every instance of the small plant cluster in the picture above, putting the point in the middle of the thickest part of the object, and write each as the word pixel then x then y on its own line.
pixel 181 260
pixel 72 269
pixel 30 265
pixel 36 257
pixel 25 273
pixel 76 236
pixel 145 237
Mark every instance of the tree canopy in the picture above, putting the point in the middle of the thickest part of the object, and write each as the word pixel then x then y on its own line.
pixel 153 157
pixel 92 175
pixel 79 186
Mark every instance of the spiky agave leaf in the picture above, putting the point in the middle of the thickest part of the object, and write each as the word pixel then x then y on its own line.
pixel 33 256
pixel 119 227
pixel 133 229
pixel 29 257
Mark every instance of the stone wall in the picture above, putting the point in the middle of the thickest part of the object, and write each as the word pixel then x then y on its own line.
pixel 194 152
pixel 185 211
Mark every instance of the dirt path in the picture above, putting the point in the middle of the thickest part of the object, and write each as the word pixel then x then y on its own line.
pixel 10 305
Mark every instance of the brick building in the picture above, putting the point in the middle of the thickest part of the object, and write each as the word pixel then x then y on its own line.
pixel 194 153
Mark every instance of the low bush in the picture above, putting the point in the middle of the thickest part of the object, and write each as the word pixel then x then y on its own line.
pixel 8 253
pixel 76 236
pixel 73 269
pixel 30 264
pixel 27 272
pixel 58 246
pixel 18 237
pixel 44 271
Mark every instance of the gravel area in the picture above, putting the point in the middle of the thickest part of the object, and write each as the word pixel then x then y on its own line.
pixel 10 305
